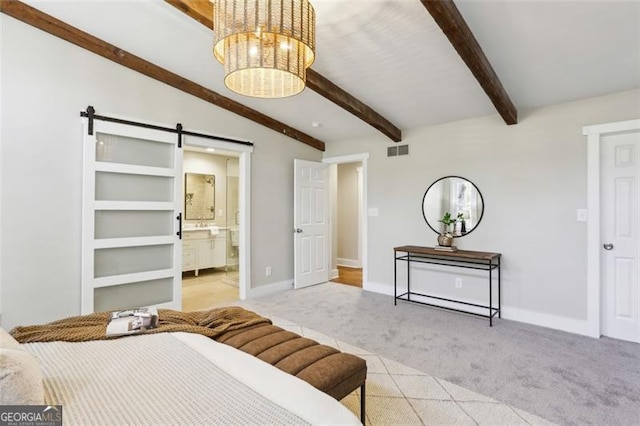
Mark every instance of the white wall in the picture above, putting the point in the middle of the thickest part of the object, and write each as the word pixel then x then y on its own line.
pixel 533 178
pixel 347 214
pixel 46 82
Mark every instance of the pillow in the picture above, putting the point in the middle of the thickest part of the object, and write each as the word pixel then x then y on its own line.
pixel 20 376
pixel 7 341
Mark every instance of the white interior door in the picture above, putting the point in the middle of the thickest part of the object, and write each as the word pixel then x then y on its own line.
pixel 620 222
pixel 311 223
pixel 131 252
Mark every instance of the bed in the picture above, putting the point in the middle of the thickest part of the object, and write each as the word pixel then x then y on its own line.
pixel 164 378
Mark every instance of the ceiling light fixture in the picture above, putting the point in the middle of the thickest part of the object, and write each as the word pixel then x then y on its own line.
pixel 265 46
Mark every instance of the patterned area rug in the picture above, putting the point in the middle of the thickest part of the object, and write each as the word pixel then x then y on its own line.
pixel 397 394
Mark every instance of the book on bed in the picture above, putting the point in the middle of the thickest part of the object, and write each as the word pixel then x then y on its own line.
pixel 132 321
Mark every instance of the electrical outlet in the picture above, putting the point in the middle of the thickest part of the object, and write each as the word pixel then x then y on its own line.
pixel 267 271
pixel 458 282
pixel 581 215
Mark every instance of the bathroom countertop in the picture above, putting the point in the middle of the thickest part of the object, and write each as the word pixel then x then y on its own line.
pixel 206 228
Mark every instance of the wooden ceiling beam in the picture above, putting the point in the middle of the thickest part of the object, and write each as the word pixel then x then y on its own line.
pixel 58 28
pixel 202 11
pixel 348 102
pixel 453 25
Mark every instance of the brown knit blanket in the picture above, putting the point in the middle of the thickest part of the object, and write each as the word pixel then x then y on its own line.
pixel 93 326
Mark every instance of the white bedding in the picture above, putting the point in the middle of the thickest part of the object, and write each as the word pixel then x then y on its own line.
pixel 176 378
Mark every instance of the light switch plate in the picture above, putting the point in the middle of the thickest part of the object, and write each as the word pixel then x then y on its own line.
pixel 581 215
pixel 373 211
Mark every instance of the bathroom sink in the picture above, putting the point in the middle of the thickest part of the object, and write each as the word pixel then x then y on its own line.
pixel 212 230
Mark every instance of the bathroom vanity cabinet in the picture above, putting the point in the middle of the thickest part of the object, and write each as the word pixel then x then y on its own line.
pixel 201 250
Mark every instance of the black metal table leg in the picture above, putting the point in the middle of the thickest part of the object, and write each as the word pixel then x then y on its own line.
pixel 395 279
pixel 499 297
pixel 408 276
pixel 490 298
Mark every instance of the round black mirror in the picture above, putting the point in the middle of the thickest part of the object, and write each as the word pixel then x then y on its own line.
pixel 453 204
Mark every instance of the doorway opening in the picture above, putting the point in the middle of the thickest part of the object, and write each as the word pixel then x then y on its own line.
pixel 346 229
pixel 347 181
pixel 215 197
pixel 210 228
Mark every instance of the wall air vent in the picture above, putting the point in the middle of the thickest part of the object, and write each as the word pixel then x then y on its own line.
pixel 394 151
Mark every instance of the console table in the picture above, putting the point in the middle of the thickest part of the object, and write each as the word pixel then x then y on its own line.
pixel 458 259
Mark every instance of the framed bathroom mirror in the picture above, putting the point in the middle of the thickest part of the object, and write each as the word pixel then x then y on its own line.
pixel 457 196
pixel 199 196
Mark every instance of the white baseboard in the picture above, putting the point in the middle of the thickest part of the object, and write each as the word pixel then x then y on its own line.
pixel 351 263
pixel 385 289
pixel 556 322
pixel 334 274
pixel 265 290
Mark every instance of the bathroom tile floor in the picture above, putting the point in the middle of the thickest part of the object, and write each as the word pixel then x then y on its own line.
pixel 207 290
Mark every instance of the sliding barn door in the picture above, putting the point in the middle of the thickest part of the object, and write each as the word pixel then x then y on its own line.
pixel 131 251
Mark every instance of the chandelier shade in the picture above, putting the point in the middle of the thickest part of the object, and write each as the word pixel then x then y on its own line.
pixel 265 46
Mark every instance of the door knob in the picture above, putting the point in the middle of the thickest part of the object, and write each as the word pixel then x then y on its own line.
pixel 608 246
pixel 297 230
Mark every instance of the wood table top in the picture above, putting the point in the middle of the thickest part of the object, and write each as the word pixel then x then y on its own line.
pixel 464 254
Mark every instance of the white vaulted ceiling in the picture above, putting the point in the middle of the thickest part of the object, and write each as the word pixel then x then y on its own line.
pixel 392 56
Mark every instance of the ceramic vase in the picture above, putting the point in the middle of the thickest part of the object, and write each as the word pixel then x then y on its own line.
pixel 445 239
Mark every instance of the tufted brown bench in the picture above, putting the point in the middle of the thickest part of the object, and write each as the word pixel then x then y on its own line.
pixel 333 372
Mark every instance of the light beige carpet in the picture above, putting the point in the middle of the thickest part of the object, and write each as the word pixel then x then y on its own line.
pixel 397 394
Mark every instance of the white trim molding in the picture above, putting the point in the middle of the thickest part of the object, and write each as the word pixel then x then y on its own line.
pixel 342 159
pixel 349 263
pixel 594 136
pixel 541 319
pixel 556 322
pixel 268 289
pixel 381 288
pixel 619 126
pixel 244 205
